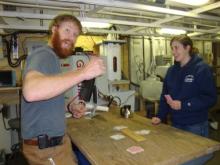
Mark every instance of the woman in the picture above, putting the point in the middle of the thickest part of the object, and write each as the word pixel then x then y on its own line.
pixel 188 91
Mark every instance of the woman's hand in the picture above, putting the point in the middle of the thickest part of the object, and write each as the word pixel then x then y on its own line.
pixel 174 104
pixel 155 120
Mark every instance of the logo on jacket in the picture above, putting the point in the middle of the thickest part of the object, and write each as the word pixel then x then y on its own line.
pixel 189 78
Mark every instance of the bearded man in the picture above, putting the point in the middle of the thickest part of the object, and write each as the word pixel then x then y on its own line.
pixel 43 106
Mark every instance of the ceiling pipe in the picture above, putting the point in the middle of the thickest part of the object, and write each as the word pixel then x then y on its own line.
pixel 45 3
pixel 40 6
pixel 152 18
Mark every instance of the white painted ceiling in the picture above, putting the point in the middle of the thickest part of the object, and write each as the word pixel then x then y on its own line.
pixel 130 17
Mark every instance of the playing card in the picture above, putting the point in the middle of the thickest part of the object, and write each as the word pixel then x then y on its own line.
pixel 119 127
pixel 117 136
pixel 168 98
pixel 142 132
pixel 135 149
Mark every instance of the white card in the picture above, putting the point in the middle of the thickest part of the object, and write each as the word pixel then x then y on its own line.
pixel 119 127
pixel 142 132
pixel 117 136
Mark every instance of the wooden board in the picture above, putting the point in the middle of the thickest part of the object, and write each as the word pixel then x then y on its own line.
pixel 10 95
pixel 131 134
pixel 164 145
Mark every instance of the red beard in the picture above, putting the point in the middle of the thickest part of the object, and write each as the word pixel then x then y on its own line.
pixel 57 45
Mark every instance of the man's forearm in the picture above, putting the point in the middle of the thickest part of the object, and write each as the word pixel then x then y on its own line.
pixel 38 86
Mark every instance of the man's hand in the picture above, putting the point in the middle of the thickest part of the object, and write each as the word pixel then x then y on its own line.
pixel 77 108
pixel 94 68
pixel 155 120
pixel 174 104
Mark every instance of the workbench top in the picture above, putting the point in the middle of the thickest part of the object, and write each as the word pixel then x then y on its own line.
pixel 10 95
pixel 164 145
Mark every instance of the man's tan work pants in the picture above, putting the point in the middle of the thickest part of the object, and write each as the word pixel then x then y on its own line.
pixel 58 155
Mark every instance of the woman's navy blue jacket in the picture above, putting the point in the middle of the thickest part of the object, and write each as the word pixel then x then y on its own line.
pixel 194 86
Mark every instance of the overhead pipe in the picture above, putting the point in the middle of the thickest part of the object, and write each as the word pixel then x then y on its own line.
pixel 41 6
pixel 43 3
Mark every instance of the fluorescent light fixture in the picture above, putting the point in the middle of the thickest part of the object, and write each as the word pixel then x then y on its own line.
pixel 217 38
pixel 192 2
pixel 171 31
pixel 194 34
pixel 95 24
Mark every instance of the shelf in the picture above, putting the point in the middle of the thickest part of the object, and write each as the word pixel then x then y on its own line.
pixel 10 95
pixel 117 82
pixel 111 41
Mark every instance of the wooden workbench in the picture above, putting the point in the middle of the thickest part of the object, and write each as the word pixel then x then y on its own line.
pixel 10 95
pixel 164 145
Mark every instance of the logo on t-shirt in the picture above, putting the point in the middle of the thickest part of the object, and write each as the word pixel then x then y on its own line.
pixel 189 78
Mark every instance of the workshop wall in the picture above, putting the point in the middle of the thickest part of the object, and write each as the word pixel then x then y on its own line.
pixel 27 42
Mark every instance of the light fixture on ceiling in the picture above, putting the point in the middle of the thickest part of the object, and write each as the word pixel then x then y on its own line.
pixel 194 34
pixel 217 38
pixel 95 24
pixel 192 2
pixel 171 31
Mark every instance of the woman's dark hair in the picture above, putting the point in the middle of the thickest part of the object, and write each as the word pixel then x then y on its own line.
pixel 64 18
pixel 185 41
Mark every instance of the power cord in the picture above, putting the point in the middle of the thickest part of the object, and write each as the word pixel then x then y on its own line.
pixel 110 99
pixel 4 110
